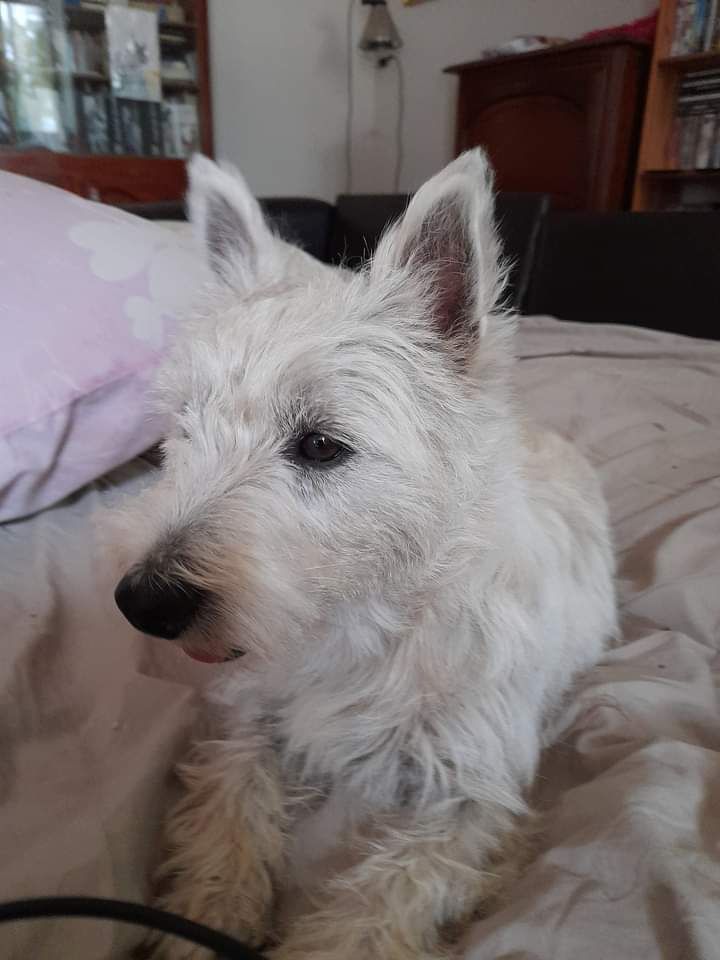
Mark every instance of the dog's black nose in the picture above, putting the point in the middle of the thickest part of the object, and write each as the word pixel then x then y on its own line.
pixel 160 607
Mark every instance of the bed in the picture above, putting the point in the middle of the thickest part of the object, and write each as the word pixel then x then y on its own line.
pixel 93 715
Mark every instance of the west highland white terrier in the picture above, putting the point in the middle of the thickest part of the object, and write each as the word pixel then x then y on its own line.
pixel 405 574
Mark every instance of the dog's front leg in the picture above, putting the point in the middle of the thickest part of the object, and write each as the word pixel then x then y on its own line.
pixel 224 843
pixel 417 876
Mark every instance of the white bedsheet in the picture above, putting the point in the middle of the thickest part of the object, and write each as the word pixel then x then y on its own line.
pixel 92 715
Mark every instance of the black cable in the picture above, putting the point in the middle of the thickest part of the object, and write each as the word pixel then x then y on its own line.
pixel 350 99
pixel 400 122
pixel 133 913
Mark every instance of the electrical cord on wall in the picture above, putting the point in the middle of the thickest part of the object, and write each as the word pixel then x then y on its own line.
pixel 400 122
pixel 133 913
pixel 350 99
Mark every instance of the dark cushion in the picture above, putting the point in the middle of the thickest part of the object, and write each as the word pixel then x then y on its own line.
pixel 362 219
pixel 520 218
pixel 656 270
pixel 307 223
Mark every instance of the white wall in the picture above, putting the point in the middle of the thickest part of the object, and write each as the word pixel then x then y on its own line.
pixel 279 83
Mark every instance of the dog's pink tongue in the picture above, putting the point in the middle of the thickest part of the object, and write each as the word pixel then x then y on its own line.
pixel 204 657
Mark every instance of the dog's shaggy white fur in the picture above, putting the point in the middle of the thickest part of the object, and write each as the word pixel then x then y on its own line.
pixel 410 611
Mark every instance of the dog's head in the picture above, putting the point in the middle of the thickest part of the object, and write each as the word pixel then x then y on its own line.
pixel 338 440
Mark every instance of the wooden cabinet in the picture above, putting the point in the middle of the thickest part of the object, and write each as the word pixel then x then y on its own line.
pixel 563 121
pixel 113 167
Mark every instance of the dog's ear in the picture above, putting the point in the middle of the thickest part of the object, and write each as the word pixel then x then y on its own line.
pixel 228 223
pixel 446 243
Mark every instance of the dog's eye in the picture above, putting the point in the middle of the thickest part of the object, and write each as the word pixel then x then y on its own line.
pixel 319 448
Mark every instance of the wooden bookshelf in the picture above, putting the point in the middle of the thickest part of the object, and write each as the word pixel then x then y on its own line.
pixel 120 177
pixel 691 61
pixel 656 180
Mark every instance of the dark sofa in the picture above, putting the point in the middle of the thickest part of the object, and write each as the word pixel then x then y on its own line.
pixel 659 270
pixel 348 232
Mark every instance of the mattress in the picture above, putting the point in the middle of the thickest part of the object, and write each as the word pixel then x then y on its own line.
pixel 93 716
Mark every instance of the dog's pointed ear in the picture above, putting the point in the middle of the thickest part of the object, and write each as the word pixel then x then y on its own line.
pixel 228 223
pixel 446 245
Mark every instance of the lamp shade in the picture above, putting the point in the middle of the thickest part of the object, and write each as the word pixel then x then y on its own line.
pixel 380 33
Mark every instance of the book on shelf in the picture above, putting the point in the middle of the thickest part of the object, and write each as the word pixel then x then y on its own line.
pixel 6 127
pixel 695 139
pixel 697 27
pixel 87 53
pixel 178 68
pixel 181 134
pixel 127 127
pixel 705 138
pixel 152 129
pixel 93 119
pixel 116 138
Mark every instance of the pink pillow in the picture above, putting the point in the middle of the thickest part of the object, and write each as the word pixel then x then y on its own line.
pixel 88 298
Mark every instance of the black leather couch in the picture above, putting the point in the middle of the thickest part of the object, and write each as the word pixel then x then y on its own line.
pixel 348 231
pixel 658 270
pixel 361 218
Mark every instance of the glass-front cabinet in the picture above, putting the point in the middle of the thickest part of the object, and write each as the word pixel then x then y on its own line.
pixel 101 91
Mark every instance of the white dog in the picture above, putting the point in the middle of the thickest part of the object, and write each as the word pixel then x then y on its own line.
pixel 351 501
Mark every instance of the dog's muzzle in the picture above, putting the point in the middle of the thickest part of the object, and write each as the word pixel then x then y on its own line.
pixel 158 606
